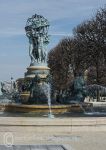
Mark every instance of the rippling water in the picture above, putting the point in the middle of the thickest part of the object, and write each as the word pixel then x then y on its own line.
pixel 45 115
pixel 96 112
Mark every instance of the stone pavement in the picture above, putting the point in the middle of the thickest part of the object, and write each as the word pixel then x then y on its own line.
pixel 32 147
pixel 74 133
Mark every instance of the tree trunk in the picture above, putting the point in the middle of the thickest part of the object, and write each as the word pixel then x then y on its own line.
pixel 97 80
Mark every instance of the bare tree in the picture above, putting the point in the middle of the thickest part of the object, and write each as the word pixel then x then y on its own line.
pixel 59 60
pixel 92 35
pixel 85 51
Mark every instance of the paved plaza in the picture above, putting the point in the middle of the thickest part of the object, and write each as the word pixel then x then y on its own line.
pixel 74 133
pixel 32 147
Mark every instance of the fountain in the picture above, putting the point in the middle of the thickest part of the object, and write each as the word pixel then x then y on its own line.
pixel 34 90
pixel 38 71
pixel 50 115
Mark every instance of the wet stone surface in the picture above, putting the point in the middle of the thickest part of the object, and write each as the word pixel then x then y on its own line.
pixel 32 147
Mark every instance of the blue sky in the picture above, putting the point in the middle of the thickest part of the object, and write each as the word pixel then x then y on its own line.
pixel 63 16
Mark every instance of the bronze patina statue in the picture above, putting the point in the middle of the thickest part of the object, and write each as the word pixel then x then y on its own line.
pixel 37 32
pixel 79 90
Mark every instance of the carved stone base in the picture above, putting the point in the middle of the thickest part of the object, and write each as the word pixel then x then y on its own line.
pixel 25 97
pixel 41 71
pixel 36 76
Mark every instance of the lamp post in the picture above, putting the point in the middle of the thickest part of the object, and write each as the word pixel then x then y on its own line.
pixel 11 83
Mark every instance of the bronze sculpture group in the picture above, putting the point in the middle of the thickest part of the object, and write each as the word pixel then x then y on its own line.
pixel 37 32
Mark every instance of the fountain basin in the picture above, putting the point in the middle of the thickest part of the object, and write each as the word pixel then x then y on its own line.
pixel 24 97
pixel 56 109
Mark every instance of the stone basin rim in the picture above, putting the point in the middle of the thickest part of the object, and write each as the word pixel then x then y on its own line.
pixel 36 106
pixel 41 105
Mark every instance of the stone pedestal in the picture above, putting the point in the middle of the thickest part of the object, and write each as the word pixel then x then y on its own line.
pixel 40 70
pixel 36 77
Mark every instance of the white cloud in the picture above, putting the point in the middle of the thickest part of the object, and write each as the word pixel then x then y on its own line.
pixel 60 34
pixel 8 32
